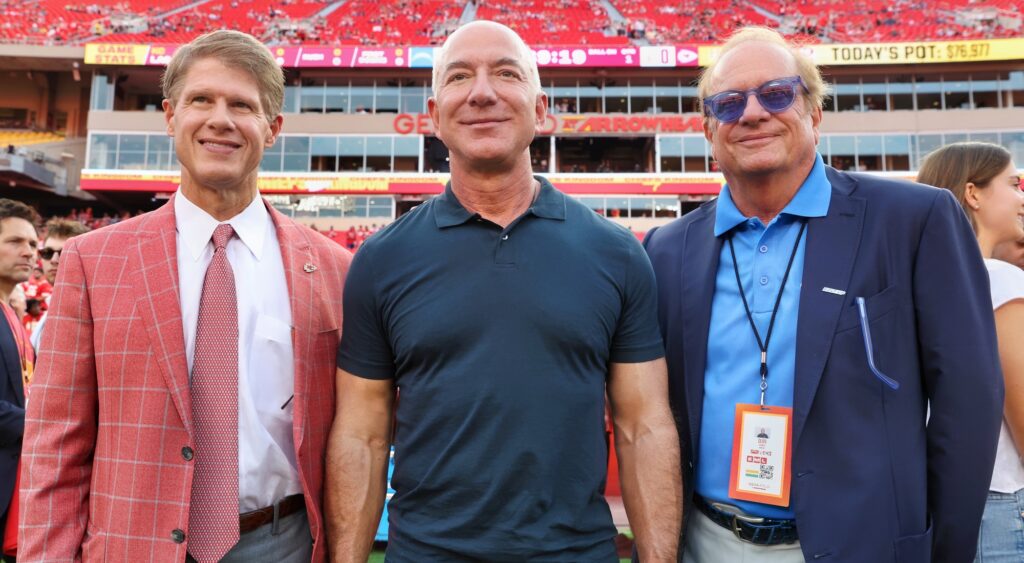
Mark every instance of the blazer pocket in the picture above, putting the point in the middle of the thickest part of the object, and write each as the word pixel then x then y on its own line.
pixel 270 328
pixel 878 305
pixel 914 549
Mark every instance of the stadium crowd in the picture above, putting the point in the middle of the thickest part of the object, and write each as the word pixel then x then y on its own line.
pixel 428 22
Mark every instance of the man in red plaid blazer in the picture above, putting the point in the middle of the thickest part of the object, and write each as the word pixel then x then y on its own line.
pixel 112 453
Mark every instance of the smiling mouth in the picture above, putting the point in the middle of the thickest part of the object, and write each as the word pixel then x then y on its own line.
pixel 757 138
pixel 219 146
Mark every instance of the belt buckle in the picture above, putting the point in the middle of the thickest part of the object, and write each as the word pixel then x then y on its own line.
pixel 737 518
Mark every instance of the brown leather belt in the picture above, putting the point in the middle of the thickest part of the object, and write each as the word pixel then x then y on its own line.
pixel 288 505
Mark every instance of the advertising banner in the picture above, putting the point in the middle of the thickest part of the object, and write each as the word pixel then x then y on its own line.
pixel 586 124
pixel 921 52
pixel 420 184
pixel 581 56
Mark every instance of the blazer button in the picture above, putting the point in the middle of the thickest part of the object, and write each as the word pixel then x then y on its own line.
pixel 187 453
pixel 177 535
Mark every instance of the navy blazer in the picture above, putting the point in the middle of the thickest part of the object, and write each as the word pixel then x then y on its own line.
pixel 12 413
pixel 872 480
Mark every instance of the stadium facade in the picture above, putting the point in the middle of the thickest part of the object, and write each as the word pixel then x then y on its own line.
pixel 622 132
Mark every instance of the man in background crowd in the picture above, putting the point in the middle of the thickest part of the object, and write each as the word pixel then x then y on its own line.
pixel 18 242
pixel 58 233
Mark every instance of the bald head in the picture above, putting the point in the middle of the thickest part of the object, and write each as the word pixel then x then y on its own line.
pixel 450 52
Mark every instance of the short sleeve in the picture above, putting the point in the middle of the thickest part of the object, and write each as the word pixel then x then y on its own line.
pixel 637 336
pixel 1007 282
pixel 364 350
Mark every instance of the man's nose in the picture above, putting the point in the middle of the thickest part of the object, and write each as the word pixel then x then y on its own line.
pixel 220 116
pixel 754 111
pixel 482 92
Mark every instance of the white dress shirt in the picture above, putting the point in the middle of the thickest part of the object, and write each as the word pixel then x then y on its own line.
pixel 267 470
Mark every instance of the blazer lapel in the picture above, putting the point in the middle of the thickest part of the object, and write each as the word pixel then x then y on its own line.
pixel 832 243
pixel 700 252
pixel 153 266
pixel 302 276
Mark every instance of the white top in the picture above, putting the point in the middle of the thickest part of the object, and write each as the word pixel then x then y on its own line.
pixel 267 470
pixel 1007 283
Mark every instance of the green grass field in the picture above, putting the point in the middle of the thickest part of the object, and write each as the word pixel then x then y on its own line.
pixel 378 557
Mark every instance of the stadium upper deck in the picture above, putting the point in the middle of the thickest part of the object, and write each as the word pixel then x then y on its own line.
pixel 540 22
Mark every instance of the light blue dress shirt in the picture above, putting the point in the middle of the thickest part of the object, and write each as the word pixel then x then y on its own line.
pixel 733 372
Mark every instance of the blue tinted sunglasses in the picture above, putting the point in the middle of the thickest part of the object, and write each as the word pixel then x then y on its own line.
pixel 775 96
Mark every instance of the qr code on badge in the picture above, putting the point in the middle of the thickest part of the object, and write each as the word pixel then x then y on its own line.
pixel 767 471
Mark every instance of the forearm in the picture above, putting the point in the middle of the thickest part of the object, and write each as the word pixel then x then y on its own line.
pixel 356 483
pixel 652 486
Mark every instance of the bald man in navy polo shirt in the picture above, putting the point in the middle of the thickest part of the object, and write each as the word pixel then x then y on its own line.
pixel 502 311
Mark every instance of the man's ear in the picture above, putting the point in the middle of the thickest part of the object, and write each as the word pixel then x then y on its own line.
pixel 168 116
pixel 275 130
pixel 434 117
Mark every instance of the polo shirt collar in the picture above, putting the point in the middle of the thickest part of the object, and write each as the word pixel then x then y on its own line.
pixel 196 226
pixel 448 211
pixel 811 200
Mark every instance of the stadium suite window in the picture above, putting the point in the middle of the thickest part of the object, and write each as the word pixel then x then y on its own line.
pixel 695 153
pixel 406 154
pixel 350 153
pixel 1014 87
pixel 378 154
pixel 901 92
pixel 414 98
pixel 670 154
pixel 641 98
pixel 336 99
pixel 312 98
pixel 848 94
pixel 667 99
pixel 897 152
pixel 361 99
pixel 385 99
pixel 296 154
pixel 102 97
pixel 323 154
pixel 160 153
pixel 929 93
pixel 102 151
pixel 956 91
pixel 616 98
pixel 590 98
pixel 131 152
pixel 272 157
pixel 985 90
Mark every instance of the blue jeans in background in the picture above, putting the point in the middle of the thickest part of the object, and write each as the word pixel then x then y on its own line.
pixel 1002 529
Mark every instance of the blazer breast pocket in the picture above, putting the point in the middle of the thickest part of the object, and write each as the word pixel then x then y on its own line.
pixel 876 307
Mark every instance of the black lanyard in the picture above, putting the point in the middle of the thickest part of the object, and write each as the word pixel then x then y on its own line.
pixel 771 323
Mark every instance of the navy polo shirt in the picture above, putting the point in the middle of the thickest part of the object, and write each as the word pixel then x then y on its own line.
pixel 499 341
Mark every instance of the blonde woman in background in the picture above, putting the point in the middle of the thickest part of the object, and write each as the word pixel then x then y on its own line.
pixel 985 181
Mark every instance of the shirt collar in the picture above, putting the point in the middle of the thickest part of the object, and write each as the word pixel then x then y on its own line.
pixel 448 211
pixel 195 226
pixel 811 200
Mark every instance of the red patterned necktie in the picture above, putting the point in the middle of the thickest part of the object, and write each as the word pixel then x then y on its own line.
pixel 213 515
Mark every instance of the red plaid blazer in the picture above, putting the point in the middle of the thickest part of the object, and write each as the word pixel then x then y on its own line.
pixel 103 474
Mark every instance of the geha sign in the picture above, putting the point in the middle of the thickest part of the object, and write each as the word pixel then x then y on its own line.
pixel 585 124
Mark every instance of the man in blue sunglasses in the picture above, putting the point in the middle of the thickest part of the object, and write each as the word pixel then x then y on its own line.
pixel 810 318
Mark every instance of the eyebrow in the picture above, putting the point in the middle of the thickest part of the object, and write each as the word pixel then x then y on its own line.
pixel 504 61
